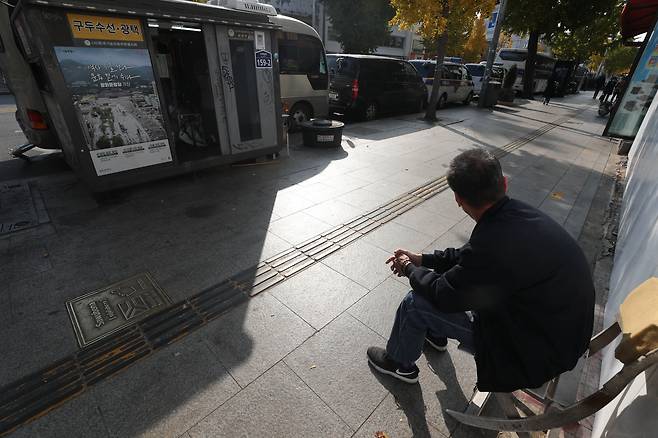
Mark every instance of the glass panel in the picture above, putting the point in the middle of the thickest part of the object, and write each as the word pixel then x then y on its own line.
pixel 342 66
pixel 475 70
pixel 246 94
pixel 453 72
pixel 301 55
pixel 509 55
pixel 638 92
pixel 411 73
pixel 425 68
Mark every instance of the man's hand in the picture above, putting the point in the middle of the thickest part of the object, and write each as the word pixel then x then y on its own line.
pixel 416 259
pixel 401 259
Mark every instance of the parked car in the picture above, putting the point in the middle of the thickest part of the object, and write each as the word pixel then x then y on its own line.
pixel 456 82
pixel 477 73
pixel 365 86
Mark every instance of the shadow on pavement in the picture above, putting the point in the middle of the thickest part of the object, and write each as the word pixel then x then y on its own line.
pixel 17 168
pixel 409 398
pixel 191 232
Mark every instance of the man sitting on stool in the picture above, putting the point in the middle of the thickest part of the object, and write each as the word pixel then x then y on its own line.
pixel 519 294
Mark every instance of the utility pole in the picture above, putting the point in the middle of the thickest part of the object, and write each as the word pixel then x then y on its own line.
pixel 491 56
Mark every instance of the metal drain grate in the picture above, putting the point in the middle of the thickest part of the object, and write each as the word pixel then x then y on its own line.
pixel 35 395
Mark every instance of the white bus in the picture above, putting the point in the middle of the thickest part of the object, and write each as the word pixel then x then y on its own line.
pixel 543 67
pixel 303 70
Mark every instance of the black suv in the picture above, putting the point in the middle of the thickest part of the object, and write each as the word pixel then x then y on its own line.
pixel 365 86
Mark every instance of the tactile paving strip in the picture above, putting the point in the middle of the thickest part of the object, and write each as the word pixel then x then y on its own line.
pixel 37 394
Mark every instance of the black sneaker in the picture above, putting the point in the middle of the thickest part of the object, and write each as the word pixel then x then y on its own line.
pixel 439 344
pixel 381 362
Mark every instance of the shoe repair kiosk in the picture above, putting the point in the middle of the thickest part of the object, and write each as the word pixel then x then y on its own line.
pixel 143 89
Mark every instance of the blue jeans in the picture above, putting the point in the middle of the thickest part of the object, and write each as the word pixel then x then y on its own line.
pixel 417 317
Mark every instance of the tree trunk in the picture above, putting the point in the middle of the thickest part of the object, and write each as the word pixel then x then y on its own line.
pixel 430 113
pixel 531 60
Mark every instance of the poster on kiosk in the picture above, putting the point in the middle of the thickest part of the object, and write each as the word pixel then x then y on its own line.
pixel 108 71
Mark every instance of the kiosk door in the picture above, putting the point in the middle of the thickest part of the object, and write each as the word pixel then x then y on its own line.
pixel 247 73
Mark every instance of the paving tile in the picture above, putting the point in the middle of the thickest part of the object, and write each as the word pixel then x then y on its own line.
pixel 322 363
pixel 25 260
pixel 49 291
pixel 370 174
pixel 249 248
pixel 345 182
pixel 425 222
pixel 396 421
pixel 5 307
pixel 392 236
pixel 361 262
pixel 533 197
pixel 255 336
pixel 451 239
pixel 77 418
pixel 377 309
pixel 29 345
pixel 334 212
pixel 389 189
pixel 167 393
pixel 408 179
pixel 278 404
pixel 446 382
pixel 318 294
pixel 365 199
pixel 320 192
pixel 298 227
pixel 557 209
pixel 289 203
pixel 445 205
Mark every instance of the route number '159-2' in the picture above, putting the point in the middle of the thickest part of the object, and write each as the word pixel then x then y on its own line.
pixel 263 59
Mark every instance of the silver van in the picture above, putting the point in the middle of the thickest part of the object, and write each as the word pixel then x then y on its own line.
pixel 456 82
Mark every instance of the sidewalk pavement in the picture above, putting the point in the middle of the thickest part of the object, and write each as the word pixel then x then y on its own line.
pixel 291 360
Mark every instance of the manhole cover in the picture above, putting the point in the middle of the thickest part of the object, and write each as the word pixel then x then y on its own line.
pixel 17 209
pixel 102 312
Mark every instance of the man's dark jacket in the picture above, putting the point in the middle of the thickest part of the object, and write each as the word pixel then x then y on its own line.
pixel 530 287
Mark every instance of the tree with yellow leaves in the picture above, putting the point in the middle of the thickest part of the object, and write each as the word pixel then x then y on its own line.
pixel 436 21
pixel 476 44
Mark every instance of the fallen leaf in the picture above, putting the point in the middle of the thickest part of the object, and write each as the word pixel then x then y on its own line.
pixel 557 195
pixel 381 435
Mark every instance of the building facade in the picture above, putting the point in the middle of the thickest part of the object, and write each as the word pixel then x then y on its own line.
pixel 402 44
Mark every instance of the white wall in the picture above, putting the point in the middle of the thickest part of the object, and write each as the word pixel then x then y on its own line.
pixel 635 412
pixel 332 46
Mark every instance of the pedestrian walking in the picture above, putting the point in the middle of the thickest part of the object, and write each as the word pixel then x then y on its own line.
pixel 619 88
pixel 608 89
pixel 599 84
pixel 519 294
pixel 551 86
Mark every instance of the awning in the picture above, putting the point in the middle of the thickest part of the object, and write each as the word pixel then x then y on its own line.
pixel 638 17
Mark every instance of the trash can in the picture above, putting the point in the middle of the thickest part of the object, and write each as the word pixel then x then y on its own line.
pixel 491 94
pixel 322 133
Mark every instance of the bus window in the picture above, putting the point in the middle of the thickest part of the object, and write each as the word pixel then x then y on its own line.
pixel 510 55
pixel 301 55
